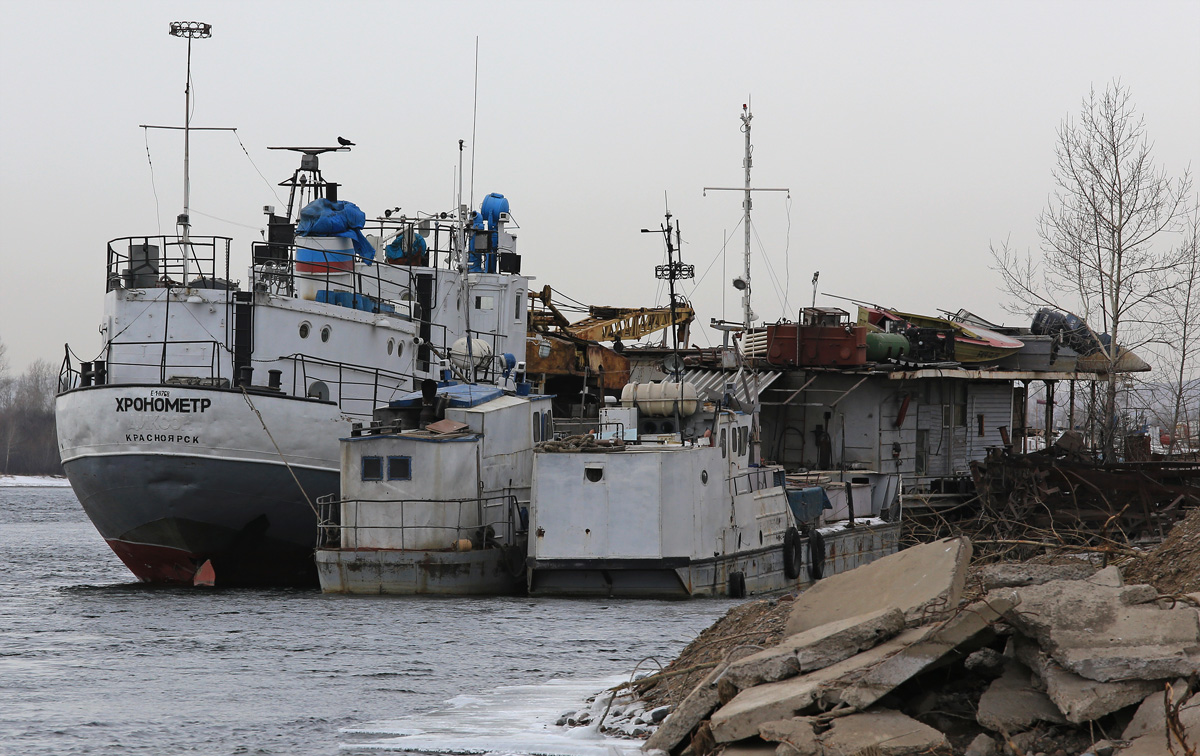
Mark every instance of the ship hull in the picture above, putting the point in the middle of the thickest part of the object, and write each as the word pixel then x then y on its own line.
pixel 487 572
pixel 170 491
pixel 166 516
pixel 759 572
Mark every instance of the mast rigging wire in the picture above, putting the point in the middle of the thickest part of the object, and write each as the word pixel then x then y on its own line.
pixel 153 188
pixel 256 170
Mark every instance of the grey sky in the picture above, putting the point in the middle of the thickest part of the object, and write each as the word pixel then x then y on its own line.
pixel 911 134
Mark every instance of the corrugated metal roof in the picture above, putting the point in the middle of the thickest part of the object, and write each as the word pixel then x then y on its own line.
pixel 713 381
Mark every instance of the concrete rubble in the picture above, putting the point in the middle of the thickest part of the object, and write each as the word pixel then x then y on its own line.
pixel 891 659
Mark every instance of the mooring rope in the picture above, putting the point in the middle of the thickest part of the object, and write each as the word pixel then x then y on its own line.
pixel 279 451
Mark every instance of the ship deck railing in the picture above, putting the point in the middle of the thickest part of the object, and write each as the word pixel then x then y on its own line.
pixel 756 479
pixel 202 368
pixel 147 262
pixel 492 521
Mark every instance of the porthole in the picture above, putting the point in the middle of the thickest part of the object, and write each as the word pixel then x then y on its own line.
pixel 391 345
pixel 399 348
pixel 704 477
pixel 325 331
pixel 594 474
pixel 304 329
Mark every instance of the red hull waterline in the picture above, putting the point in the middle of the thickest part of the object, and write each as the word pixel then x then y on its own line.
pixel 158 564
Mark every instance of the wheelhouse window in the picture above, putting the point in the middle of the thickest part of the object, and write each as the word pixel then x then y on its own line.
pixel 372 468
pixel 399 468
pixel 485 303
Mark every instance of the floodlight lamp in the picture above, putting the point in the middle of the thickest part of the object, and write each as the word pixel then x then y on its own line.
pixel 739 283
pixel 191 29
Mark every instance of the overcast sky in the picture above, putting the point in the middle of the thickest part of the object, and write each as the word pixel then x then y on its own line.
pixel 911 134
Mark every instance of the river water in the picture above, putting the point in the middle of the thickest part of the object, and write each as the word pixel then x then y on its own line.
pixel 94 663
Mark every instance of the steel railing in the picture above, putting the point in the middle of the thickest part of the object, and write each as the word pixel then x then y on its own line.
pixel 489 520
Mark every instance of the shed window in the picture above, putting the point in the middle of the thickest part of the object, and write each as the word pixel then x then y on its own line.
pixel 372 468
pixel 399 468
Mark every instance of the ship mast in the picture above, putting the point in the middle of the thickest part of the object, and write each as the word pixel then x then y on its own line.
pixel 188 30
pixel 742 283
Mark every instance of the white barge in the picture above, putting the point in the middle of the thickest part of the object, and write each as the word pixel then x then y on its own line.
pixel 689 512
pixel 435 496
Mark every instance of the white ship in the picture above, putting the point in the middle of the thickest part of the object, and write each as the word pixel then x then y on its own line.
pixel 435 495
pixel 683 508
pixel 205 429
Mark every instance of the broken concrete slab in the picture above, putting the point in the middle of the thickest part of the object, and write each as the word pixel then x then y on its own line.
pixel 1078 698
pixel 750 748
pixel 953 635
pixel 1011 703
pixel 816 648
pixel 1017 575
pixel 796 733
pixel 923 581
pixel 741 717
pixel 1109 576
pixel 1151 715
pixel 1157 743
pixel 1108 633
pixel 982 745
pixel 888 732
pixel 688 715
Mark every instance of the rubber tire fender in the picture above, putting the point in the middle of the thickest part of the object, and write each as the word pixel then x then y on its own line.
pixel 816 555
pixel 793 557
pixel 737 585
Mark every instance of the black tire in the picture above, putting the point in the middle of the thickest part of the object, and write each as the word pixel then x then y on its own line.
pixel 793 558
pixel 816 555
pixel 737 585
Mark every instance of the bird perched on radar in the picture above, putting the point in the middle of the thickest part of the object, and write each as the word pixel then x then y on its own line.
pixel 345 142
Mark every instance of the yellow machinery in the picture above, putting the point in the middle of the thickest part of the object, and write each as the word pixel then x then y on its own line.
pixel 558 347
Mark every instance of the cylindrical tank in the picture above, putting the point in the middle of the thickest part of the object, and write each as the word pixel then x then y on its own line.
pixel 660 399
pixel 481 354
pixel 884 346
pixel 323 262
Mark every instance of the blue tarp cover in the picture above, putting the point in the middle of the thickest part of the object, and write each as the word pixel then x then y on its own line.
pixel 414 254
pixel 808 503
pixel 324 218
pixel 459 394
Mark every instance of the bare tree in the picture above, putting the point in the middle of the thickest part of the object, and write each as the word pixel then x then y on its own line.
pixel 1102 257
pixel 8 420
pixel 1178 313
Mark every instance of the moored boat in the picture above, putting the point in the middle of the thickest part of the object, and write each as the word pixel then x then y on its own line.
pixel 688 510
pixel 200 435
pixel 434 496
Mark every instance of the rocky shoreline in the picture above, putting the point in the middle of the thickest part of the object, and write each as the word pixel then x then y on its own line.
pixel 922 652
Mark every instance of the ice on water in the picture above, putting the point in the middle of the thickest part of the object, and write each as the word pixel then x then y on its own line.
pixel 33 481
pixel 517 719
